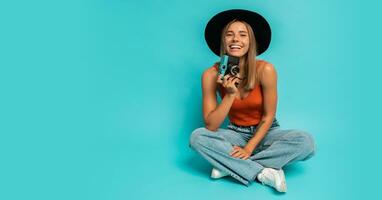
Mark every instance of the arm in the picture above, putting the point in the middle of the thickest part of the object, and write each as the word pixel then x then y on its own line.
pixel 268 79
pixel 213 113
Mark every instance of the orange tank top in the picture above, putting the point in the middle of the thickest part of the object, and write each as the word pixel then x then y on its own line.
pixel 247 111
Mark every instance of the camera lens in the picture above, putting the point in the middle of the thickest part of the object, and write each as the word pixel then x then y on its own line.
pixel 234 70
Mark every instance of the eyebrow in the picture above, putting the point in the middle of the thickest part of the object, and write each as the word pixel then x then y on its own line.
pixel 239 31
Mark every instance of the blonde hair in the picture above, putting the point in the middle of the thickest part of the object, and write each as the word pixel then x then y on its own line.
pixel 250 73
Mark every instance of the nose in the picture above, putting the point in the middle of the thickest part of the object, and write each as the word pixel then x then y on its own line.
pixel 235 38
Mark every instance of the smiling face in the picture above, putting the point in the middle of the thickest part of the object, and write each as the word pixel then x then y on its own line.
pixel 236 39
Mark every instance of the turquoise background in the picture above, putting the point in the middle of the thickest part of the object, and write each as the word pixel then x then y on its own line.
pixel 98 98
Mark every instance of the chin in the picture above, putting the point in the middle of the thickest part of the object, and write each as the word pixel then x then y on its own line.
pixel 236 54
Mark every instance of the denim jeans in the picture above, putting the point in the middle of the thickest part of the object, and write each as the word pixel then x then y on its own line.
pixel 278 148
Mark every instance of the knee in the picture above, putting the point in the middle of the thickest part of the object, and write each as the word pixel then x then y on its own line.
pixel 305 142
pixel 196 137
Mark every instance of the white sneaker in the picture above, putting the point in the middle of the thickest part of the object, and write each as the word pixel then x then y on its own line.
pixel 274 178
pixel 215 173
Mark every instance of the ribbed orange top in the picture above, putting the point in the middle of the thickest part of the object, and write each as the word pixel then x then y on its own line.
pixel 248 111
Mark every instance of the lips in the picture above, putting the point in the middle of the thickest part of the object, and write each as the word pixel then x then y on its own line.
pixel 235 46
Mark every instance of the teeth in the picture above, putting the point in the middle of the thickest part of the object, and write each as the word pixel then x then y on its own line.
pixel 235 47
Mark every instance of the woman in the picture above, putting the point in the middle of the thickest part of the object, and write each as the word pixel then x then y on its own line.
pixel 253 146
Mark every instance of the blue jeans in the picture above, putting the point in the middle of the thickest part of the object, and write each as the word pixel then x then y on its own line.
pixel 277 149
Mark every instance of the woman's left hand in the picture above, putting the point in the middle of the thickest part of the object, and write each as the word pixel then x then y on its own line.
pixel 239 152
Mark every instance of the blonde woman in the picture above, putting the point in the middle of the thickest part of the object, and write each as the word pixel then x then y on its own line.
pixel 253 146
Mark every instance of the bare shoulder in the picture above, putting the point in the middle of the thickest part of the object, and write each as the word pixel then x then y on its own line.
pixel 210 72
pixel 267 71
pixel 265 65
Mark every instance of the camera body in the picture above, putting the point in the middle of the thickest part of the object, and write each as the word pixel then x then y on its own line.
pixel 229 65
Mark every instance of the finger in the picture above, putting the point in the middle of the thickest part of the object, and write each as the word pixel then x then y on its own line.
pixel 226 78
pixel 231 78
pixel 234 151
pixel 245 154
pixel 231 84
pixel 241 155
pixel 237 148
pixel 235 81
pixel 219 79
pixel 238 80
pixel 220 76
pixel 236 154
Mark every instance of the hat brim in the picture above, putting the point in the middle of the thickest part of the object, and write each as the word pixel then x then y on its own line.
pixel 259 25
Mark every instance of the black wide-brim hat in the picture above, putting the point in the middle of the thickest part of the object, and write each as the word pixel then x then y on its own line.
pixel 259 25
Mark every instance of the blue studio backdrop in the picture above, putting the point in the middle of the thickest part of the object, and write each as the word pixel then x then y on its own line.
pixel 98 98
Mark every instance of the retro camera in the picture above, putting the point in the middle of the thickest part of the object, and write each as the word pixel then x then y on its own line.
pixel 229 65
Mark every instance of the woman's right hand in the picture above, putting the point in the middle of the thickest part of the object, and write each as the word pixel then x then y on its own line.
pixel 228 83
